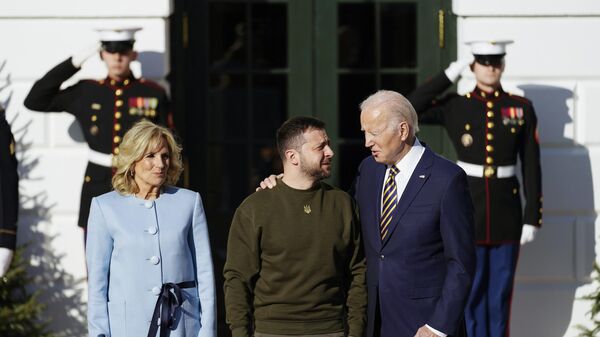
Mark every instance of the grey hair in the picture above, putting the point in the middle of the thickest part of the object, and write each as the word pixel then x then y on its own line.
pixel 396 105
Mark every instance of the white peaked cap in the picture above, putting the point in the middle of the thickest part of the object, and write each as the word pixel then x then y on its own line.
pixel 489 47
pixel 117 34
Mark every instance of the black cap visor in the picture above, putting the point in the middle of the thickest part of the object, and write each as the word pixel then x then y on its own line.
pixel 117 46
pixel 490 60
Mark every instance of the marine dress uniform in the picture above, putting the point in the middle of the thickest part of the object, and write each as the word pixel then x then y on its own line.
pixel 489 131
pixel 105 109
pixel 9 186
pixel 149 266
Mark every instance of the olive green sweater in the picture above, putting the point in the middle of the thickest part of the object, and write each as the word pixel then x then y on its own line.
pixel 295 263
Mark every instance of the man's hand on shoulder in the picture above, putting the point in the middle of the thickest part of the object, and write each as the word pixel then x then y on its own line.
pixel 269 182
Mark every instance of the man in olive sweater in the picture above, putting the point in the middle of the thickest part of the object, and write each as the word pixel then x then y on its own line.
pixel 295 263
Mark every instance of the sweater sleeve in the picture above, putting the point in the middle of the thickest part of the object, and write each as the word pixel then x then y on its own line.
pixel 356 300
pixel 241 269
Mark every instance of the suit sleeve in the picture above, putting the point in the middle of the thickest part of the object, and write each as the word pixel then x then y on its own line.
pixel 9 187
pixel 241 269
pixel 356 300
pixel 46 95
pixel 457 231
pixel 529 155
pixel 98 253
pixel 423 99
pixel 204 270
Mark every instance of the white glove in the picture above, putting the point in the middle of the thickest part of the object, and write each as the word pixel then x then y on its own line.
pixel 456 68
pixel 6 256
pixel 528 233
pixel 78 58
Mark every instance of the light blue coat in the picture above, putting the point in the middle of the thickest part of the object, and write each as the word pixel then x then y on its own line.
pixel 133 247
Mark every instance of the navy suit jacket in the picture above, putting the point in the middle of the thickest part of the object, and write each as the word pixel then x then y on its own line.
pixel 422 272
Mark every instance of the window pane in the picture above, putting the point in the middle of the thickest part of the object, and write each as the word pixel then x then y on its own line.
pixel 398 35
pixel 227 33
pixel 269 102
pixel 350 156
pixel 403 84
pixel 269 36
pixel 356 36
pixel 227 106
pixel 353 89
pixel 229 182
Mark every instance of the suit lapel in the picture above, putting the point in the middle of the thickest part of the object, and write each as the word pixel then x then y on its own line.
pixel 379 176
pixel 418 178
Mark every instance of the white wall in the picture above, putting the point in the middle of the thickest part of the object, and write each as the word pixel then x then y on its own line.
pixel 554 63
pixel 36 35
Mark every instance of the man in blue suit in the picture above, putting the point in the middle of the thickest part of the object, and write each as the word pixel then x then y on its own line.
pixel 417 222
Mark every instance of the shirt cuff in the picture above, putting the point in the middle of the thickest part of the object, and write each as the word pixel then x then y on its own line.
pixel 439 333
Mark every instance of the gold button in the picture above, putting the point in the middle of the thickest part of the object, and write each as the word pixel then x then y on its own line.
pixel 489 148
pixel 467 126
pixel 490 105
pixel 112 82
pixel 94 118
pixel 468 95
pixel 483 94
pixel 126 82
pixel 88 179
pixel 541 209
pixel 119 92
pixel 490 125
pixel 490 114
pixel 490 136
pixel 116 150
pixel 118 114
pixel 119 103
pixel 489 160
pixel 515 191
pixel 489 171
pixel 117 127
pixel 496 93
pixel 540 221
pixel 117 139
pixel 513 130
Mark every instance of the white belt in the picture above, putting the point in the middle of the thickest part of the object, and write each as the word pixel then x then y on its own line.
pixel 99 158
pixel 487 171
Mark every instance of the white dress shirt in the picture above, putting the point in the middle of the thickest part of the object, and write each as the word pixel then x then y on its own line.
pixel 406 166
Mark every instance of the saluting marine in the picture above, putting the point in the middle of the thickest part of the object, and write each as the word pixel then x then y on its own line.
pixel 9 195
pixel 490 129
pixel 105 108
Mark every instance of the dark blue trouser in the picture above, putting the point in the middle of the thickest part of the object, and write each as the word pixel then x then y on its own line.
pixel 488 309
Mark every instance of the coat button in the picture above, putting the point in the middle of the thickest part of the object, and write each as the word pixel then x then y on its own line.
pixel 154 259
pixel 152 230
pixel 156 291
pixel 148 204
pixel 382 257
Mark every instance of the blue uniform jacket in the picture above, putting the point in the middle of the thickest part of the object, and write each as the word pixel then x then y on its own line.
pixel 133 247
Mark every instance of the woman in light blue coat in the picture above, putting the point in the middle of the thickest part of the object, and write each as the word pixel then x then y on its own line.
pixel 150 271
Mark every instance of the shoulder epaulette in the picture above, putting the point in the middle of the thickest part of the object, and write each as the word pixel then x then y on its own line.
pixel 151 84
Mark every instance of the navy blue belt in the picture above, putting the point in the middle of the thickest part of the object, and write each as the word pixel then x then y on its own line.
pixel 168 302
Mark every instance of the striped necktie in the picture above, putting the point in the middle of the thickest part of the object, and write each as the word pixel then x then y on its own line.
pixel 389 202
